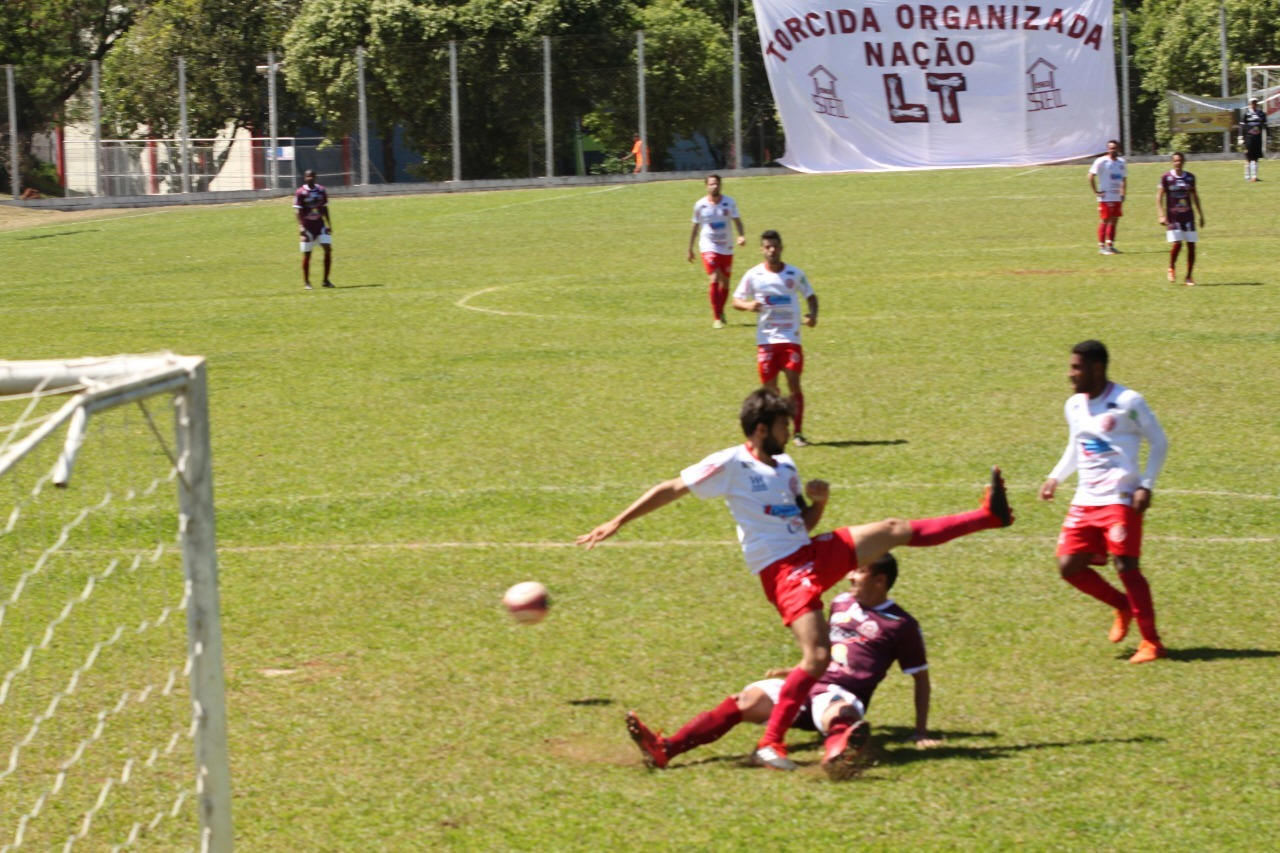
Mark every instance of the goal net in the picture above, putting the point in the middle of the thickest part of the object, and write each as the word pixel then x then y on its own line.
pixel 110 645
pixel 1263 82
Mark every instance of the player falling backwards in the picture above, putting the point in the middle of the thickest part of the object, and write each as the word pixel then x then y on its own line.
pixel 869 632
pixel 759 483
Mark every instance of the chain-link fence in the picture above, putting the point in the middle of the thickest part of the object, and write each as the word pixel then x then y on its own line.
pixel 444 111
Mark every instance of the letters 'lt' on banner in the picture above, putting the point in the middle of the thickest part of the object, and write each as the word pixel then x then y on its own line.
pixel 878 86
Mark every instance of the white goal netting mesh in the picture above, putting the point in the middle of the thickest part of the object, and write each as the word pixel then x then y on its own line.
pixel 97 715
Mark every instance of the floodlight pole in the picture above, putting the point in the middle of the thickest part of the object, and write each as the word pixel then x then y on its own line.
pixel 95 106
pixel 273 164
pixel 14 177
pixel 546 104
pixel 1124 79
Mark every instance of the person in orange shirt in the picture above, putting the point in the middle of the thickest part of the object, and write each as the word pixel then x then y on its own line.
pixel 640 152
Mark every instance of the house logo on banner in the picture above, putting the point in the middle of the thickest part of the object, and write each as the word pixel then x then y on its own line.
pixel 1041 93
pixel 937 86
pixel 824 93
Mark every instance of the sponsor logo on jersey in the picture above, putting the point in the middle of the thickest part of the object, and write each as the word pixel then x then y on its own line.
pixel 778 299
pixel 1095 447
pixel 782 510
pixel 1117 533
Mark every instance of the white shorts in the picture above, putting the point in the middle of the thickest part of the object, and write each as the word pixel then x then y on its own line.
pixel 1177 235
pixel 818 705
pixel 324 240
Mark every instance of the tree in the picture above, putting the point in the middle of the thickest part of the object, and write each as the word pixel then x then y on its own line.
pixel 53 43
pixel 223 43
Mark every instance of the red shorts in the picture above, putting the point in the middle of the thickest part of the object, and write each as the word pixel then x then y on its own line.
pixel 1110 209
pixel 716 262
pixel 1098 530
pixel 771 358
pixel 795 583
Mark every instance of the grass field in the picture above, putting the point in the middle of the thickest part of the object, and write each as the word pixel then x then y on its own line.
pixel 498 372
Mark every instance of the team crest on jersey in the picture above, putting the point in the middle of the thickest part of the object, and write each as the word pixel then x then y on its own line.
pixel 1117 533
pixel 1108 423
pixel 869 629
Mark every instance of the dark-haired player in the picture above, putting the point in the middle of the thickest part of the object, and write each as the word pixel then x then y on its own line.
pixel 311 202
pixel 1173 207
pixel 761 486
pixel 1109 179
pixel 1107 424
pixel 868 633
pixel 773 290
pixel 1253 121
pixel 712 215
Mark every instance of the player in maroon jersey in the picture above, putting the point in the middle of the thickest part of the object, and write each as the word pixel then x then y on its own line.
pixel 1174 199
pixel 869 632
pixel 311 202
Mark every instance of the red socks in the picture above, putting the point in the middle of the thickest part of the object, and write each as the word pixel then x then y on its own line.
pixel 944 528
pixel 797 405
pixel 1102 233
pixel 717 296
pixel 1144 611
pixel 704 728
pixel 795 690
pixel 1111 232
pixel 1090 582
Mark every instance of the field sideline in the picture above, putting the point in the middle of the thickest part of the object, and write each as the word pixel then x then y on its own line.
pixel 497 372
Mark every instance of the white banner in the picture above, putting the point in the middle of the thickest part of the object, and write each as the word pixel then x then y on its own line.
pixel 877 85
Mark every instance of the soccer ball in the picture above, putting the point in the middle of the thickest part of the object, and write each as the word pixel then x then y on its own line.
pixel 527 602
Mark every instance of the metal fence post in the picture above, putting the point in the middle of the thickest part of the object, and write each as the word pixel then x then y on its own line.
pixel 14 177
pixel 1226 91
pixel 184 133
pixel 363 110
pixel 737 91
pixel 546 104
pixel 1124 79
pixel 95 104
pixel 273 164
pixel 455 132
pixel 643 127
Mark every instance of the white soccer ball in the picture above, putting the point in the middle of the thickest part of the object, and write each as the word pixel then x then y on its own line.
pixel 527 602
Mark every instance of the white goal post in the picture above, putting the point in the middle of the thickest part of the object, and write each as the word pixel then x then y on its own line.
pixel 1263 82
pixel 40 402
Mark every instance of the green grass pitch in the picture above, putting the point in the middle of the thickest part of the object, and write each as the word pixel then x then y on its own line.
pixel 498 372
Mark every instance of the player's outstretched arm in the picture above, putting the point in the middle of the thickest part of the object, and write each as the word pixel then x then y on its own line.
pixel 656 498
pixel 923 691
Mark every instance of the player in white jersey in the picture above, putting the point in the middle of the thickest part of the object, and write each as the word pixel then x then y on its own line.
pixel 1107 424
pixel 773 290
pixel 1109 178
pixel 712 216
pixel 760 484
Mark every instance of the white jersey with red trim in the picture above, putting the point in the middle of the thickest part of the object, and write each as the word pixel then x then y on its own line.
pixel 781 296
pixel 716 219
pixel 1111 175
pixel 761 499
pixel 1106 433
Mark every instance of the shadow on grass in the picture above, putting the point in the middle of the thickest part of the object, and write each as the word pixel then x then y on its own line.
pixel 857 443
pixel 1205 653
pixel 592 700
pixel 354 286
pixel 1230 284
pixel 57 234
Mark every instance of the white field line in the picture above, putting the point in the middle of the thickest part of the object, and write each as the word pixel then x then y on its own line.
pixel 1048 539
pixel 1015 490
pixel 462 303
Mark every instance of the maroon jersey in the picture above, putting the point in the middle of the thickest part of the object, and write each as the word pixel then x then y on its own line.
pixel 865 643
pixel 1177 198
pixel 312 201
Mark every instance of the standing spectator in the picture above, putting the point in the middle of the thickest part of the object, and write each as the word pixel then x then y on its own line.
pixel 711 217
pixel 1253 121
pixel 1107 424
pixel 639 152
pixel 1173 208
pixel 314 225
pixel 773 290
pixel 1109 178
